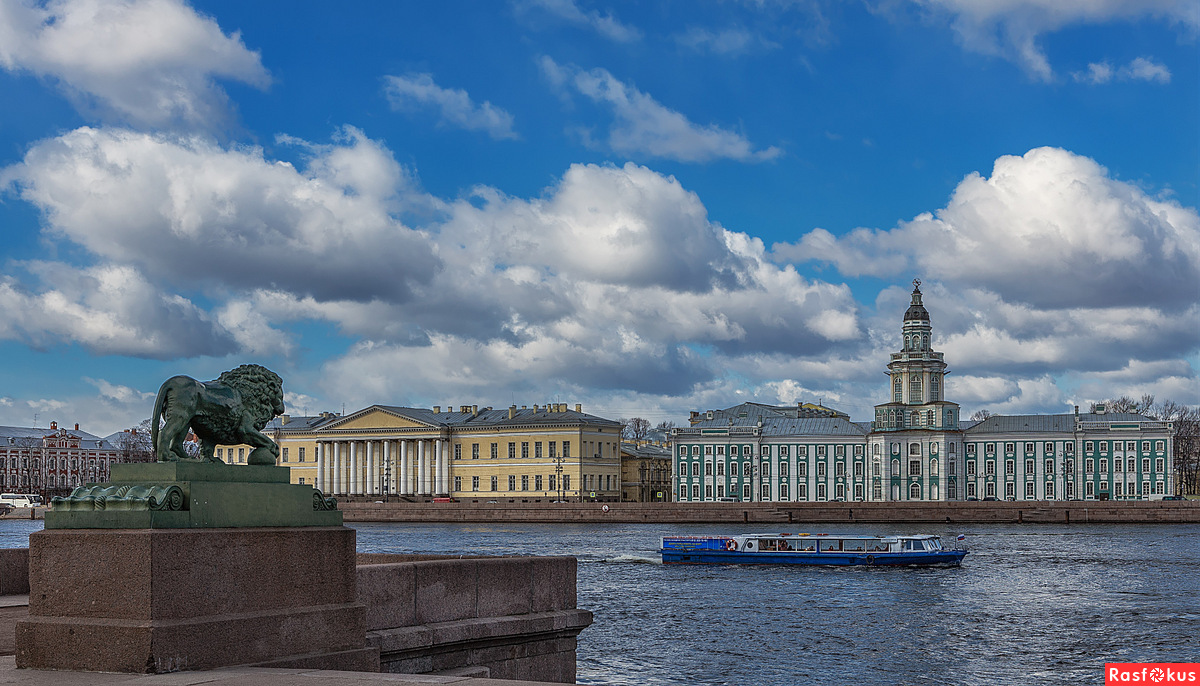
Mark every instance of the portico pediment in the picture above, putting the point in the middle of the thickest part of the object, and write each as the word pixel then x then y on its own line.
pixel 376 418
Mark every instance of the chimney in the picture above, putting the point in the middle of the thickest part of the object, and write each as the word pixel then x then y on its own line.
pixel 53 425
pixel 437 409
pixel 1076 410
pixel 579 408
pixel 535 408
pixel 474 409
pixel 284 419
pixel 512 411
pixel 77 426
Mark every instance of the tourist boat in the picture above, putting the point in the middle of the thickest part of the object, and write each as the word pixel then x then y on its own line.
pixel 811 549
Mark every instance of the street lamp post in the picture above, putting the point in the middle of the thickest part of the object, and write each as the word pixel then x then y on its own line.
pixel 558 471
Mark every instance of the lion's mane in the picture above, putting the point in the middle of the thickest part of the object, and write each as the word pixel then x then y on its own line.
pixel 261 390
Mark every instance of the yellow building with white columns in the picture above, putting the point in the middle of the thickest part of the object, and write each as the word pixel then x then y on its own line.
pixel 547 452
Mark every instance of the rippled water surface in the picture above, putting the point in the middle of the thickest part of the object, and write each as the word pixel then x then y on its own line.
pixel 1031 604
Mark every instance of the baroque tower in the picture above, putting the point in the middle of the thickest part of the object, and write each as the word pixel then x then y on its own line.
pixel 917 379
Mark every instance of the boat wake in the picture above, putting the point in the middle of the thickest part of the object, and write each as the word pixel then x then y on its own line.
pixel 626 558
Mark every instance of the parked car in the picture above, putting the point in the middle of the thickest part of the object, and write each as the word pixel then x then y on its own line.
pixel 1174 497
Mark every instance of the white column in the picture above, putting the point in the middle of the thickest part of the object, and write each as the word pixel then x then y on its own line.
pixel 353 488
pixel 387 462
pixel 440 468
pixel 404 468
pixel 337 466
pixel 372 469
pixel 421 485
pixel 320 481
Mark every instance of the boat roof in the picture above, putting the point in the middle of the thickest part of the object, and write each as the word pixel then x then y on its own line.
pixel 894 537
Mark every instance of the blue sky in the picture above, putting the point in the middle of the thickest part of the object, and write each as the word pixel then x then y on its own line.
pixel 647 208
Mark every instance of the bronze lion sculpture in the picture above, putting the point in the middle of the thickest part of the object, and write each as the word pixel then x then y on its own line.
pixel 232 410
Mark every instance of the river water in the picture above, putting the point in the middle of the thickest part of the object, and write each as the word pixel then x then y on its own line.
pixel 1044 604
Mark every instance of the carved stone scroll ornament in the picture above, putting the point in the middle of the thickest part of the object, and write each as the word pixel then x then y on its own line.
pixel 323 503
pixel 123 497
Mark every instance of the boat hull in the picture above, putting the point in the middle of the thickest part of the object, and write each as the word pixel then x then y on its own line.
pixel 838 559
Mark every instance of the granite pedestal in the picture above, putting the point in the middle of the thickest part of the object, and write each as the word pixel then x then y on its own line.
pixel 215 583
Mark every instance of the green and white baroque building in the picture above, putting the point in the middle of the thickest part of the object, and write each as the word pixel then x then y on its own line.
pixel 918 448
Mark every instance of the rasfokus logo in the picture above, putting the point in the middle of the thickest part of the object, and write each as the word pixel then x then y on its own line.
pixel 1151 673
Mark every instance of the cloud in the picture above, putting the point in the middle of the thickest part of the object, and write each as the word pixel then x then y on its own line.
pixel 1140 69
pixel 1012 28
pixel 643 126
pixel 187 212
pixel 567 10
pixel 109 310
pixel 1049 228
pixel 149 63
pixel 455 106
pixel 725 41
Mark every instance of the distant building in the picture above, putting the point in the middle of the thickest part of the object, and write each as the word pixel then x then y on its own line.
pixel 645 473
pixel 918 448
pixel 540 453
pixel 52 461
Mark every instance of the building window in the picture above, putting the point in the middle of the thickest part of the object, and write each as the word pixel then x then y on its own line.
pixel 1089 488
pixel 764 451
pixel 970 448
pixel 801 451
pixel 708 450
pixel 524 450
pixel 802 469
pixel 877 492
pixel 696 492
pixel 1049 466
pixel 708 469
pixel 1049 490
pixel 241 455
pixel 720 469
pixel 897 391
pixel 783 470
pixel 1160 446
pixel 858 469
pixel 766 470
pixel 553 449
pixel 970 490
pixel 683 492
pixel 1029 449
pixel 1103 465
pixel 1145 464
pixel 285 455
pixel 914 448
pixel 821 492
pixel 1089 465
pixel 1010 466
pixel 1028 467
pixel 1070 464
pixel 858 491
pixel 895 467
pixel 524 482
pixel 914 468
pixel 914 390
pixel 1029 490
pixel 989 467
pixel 933 467
pixel 474 451
pixel 839 469
pixel 876 468
pixel 458 483
pixel 820 470
pixel 783 451
pixel 1009 490
pixel 474 483
pixel 566 449
pixel 1158 465
pixel 1048 448
pixel 914 491
pixel 783 492
pixel 512 482
pixel 839 491
pixel 1089 446
pixel 537 482
pixel 537 450
pixel 458 451
pixel 970 467
pixel 839 451
pixel 1010 448
pixel 820 451
pixel 512 450
pixel 746 492
pixel 495 451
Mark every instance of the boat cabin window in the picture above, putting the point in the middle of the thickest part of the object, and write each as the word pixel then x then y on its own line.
pixel 854 545
pixel 914 545
pixel 831 544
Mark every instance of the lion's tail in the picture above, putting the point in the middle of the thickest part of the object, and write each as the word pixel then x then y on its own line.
pixel 159 406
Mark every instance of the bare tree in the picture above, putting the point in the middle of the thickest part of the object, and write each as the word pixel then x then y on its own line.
pixel 1185 454
pixel 665 427
pixel 133 444
pixel 981 415
pixel 634 429
pixel 1123 404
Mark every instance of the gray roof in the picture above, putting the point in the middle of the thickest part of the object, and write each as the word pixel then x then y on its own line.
pixel 775 425
pixel 647 450
pixel 87 441
pixel 1046 423
pixel 488 417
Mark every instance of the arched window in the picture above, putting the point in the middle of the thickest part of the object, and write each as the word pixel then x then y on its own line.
pixel 895 467
pixel 914 492
pixel 914 390
pixel 933 467
pixel 934 389
pixel 907 342
pixel 933 491
pixel 897 390
pixel 929 417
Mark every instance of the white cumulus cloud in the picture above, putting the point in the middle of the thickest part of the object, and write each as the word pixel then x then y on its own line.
pixel 454 105
pixel 605 24
pixel 644 126
pixel 148 63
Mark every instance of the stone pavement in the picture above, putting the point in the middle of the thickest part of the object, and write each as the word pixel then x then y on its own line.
pixel 238 676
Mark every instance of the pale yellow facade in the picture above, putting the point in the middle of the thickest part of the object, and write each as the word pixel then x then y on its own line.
pixel 543 453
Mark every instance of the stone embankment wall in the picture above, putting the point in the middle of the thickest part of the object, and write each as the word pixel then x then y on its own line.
pixel 1061 512
pixel 503 617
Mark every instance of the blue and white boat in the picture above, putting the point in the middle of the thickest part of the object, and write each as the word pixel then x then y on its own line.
pixel 811 549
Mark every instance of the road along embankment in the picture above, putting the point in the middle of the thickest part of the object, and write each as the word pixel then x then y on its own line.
pixel 1025 512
